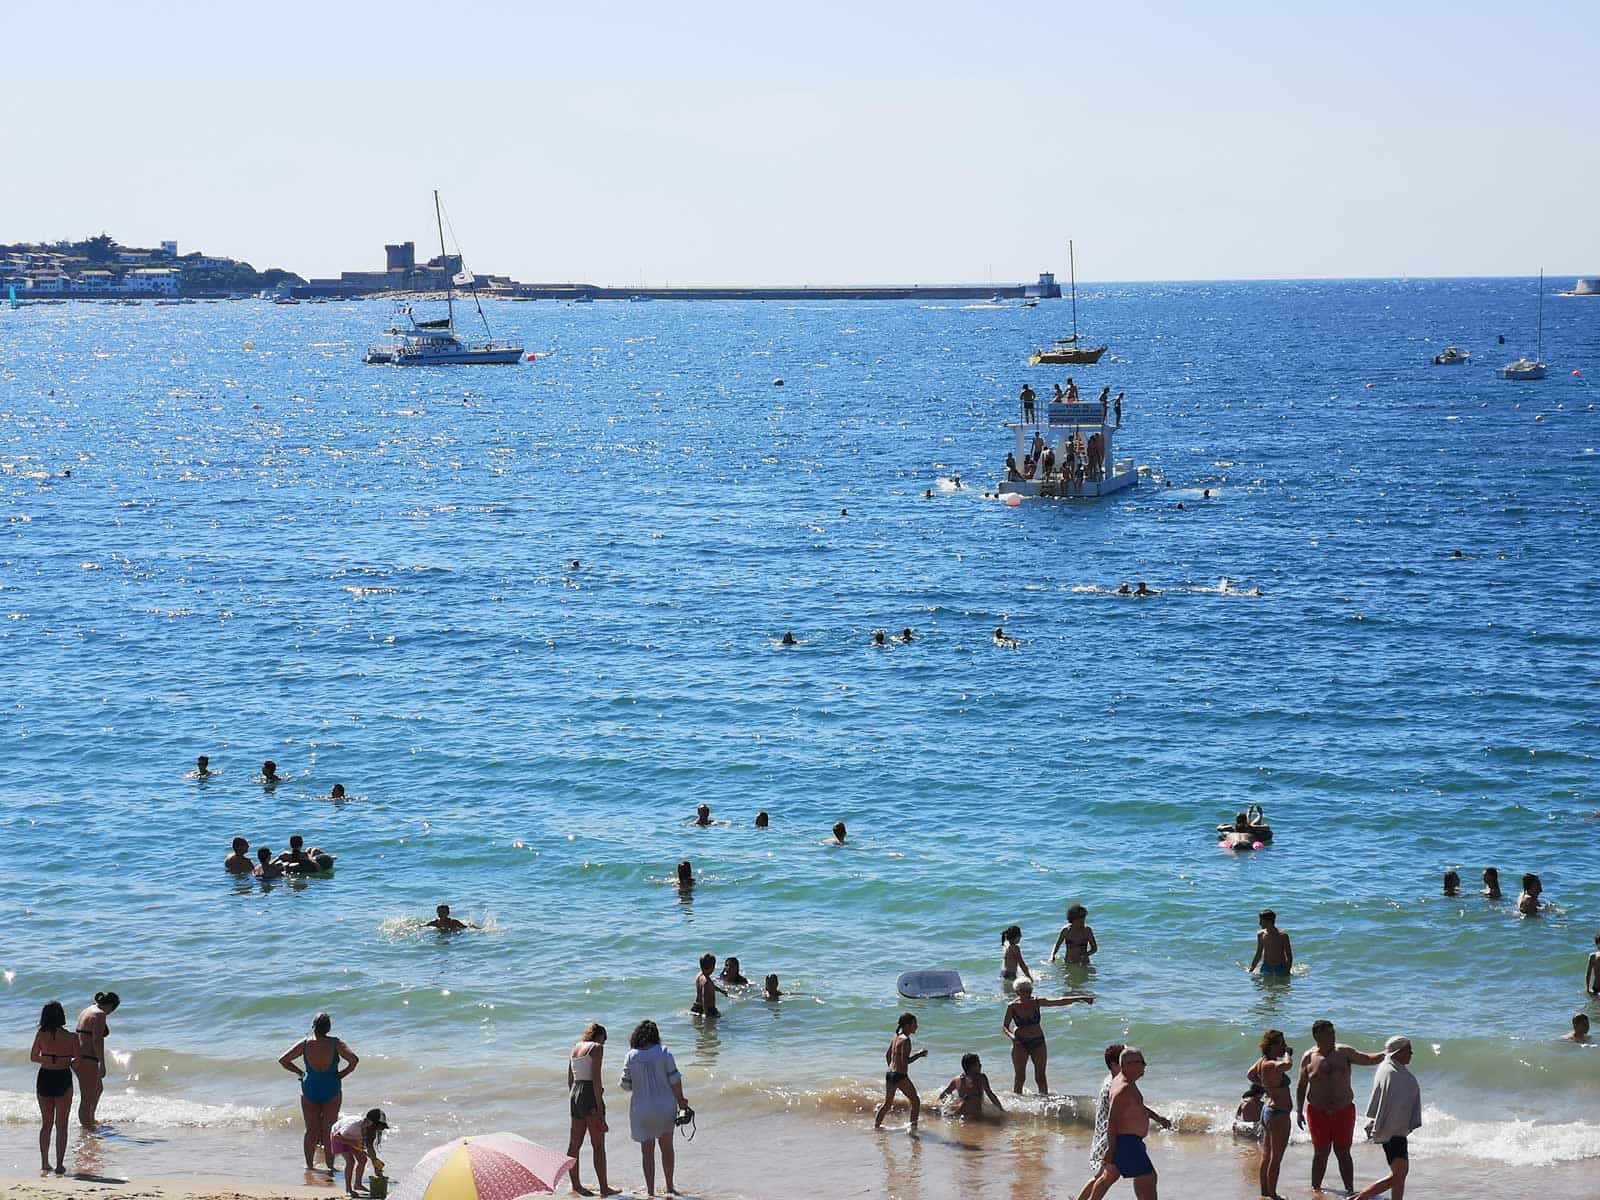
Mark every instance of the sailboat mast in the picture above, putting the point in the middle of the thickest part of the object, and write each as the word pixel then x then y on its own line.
pixel 1072 271
pixel 449 279
pixel 1541 314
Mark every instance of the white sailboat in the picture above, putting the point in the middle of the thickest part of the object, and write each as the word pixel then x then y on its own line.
pixel 435 343
pixel 1068 351
pixel 1530 368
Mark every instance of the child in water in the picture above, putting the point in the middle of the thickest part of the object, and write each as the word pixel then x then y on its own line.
pixel 970 1087
pixel 773 992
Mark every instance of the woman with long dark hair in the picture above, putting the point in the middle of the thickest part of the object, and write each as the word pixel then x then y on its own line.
pixel 55 1050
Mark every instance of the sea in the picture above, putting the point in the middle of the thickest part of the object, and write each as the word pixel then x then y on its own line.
pixel 530 617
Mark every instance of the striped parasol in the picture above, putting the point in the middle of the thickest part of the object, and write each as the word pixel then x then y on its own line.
pixel 492 1166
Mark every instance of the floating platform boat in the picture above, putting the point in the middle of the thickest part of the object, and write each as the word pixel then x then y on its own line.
pixel 1071 457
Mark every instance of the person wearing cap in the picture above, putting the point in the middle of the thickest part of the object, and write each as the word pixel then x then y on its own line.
pixel 355 1139
pixel 1394 1110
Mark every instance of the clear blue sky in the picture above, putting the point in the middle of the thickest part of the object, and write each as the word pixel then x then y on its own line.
pixel 820 141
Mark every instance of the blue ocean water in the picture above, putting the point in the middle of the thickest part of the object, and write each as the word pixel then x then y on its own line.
pixel 529 618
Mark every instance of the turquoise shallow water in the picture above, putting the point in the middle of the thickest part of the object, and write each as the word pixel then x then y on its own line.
pixel 366 575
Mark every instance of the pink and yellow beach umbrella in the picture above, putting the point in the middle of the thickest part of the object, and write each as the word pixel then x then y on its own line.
pixel 493 1166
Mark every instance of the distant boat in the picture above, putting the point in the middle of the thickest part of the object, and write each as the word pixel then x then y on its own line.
pixel 434 343
pixel 1068 351
pixel 583 298
pixel 636 298
pixel 1584 287
pixel 1530 368
pixel 1452 357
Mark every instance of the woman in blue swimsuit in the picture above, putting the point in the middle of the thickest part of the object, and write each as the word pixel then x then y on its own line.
pixel 321 1087
pixel 1274 1071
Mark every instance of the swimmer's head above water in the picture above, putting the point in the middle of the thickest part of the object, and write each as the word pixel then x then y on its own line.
pixel 762 820
pixel 838 831
pixel 686 874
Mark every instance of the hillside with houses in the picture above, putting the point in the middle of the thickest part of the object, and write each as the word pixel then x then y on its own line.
pixel 100 266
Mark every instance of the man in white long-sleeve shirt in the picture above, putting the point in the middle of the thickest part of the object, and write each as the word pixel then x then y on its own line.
pixel 1394 1111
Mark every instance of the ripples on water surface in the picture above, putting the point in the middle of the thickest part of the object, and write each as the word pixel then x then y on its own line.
pixel 366 574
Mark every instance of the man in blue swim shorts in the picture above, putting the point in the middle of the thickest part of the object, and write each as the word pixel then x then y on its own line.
pixel 1273 953
pixel 1130 1125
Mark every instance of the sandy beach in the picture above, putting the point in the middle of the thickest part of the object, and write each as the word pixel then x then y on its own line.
pixel 790 1154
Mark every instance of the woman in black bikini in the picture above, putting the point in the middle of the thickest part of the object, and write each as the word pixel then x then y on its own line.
pixel 1274 1071
pixel 91 1064
pixel 55 1050
pixel 898 1077
pixel 1027 1038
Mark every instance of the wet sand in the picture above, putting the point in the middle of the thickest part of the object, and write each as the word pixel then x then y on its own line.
pixel 779 1154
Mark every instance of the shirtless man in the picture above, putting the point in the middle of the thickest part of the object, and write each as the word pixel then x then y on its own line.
pixel 444 921
pixel 1130 1125
pixel 1591 973
pixel 1273 952
pixel 1325 1086
pixel 706 989
pixel 1580 1030
pixel 239 861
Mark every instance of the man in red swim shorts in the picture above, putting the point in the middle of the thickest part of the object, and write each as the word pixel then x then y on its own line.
pixel 1326 1101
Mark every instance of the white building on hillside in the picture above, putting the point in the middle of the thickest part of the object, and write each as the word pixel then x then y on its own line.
pixel 159 281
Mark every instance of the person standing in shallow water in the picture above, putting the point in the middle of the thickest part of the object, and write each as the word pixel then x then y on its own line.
pixel 56 1051
pixel 91 1061
pixel 1326 1099
pixel 1023 1025
pixel 321 1084
pixel 1273 1071
pixel 1104 1170
pixel 587 1106
pixel 899 1057
pixel 650 1075
pixel 1395 1110
pixel 1273 952
pixel 1130 1125
pixel 706 990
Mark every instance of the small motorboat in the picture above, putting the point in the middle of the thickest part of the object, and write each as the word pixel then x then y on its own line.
pixel 1451 357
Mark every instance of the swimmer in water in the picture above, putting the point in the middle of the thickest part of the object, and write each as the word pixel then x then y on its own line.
pixel 838 832
pixel 969 1088
pixel 239 861
pixel 1142 590
pixel 762 819
pixel 706 990
pixel 1580 1030
pixel 1528 904
pixel 1452 883
pixel 1491 883
pixel 731 974
pixel 685 875
pixel 269 775
pixel 1012 964
pixel 295 857
pixel 202 767
pixel 1076 936
pixel 906 636
pixel 574 564
pixel 878 639
pixel 844 512
pixel 788 638
pixel 1124 590
pixel 337 793
pixel 957 481
pixel 1003 639
pixel 928 495
pixel 444 922
pixel 1206 495
pixel 773 992
pixel 266 868
pixel 702 815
